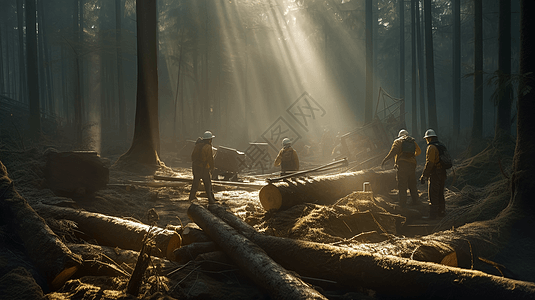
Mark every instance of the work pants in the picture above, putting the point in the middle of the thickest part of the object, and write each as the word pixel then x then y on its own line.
pixel 199 172
pixel 406 177
pixel 437 181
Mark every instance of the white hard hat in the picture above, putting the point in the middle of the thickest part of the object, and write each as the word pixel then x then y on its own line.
pixel 208 135
pixel 286 141
pixel 429 133
pixel 403 132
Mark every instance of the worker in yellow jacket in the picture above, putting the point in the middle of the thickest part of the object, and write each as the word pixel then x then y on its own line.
pixel 404 151
pixel 287 158
pixel 202 166
pixel 436 174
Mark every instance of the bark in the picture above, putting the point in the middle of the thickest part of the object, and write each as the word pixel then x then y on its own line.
pixel 456 67
pixel 252 260
pixel 120 77
pixel 386 274
pixel 368 104
pixel 430 66
pixel 52 258
pixel 189 252
pixel 32 70
pixel 503 118
pixel 402 60
pixel 22 64
pixel 323 189
pixel 477 125
pixel 113 231
pixel 421 70
pixel 414 77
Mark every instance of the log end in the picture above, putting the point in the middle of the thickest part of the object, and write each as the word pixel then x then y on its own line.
pixel 62 277
pixel 174 243
pixel 270 197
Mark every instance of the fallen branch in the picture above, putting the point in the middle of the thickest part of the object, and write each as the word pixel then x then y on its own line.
pixel 251 259
pixel 114 231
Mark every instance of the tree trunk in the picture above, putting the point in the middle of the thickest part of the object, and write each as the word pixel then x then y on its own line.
pixel 368 104
pixel 402 60
pixel 52 258
pixel 46 52
pixel 146 142
pixel 385 274
pixel 76 78
pixel 456 67
pixel 114 231
pixel 421 75
pixel 252 260
pixel 120 77
pixel 22 64
pixel 430 66
pixel 32 71
pixel 189 252
pixel 323 189
pixel 503 120
pixel 414 77
pixel 477 125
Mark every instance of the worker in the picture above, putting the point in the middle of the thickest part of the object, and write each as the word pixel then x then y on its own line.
pixel 404 151
pixel 287 158
pixel 202 166
pixel 436 173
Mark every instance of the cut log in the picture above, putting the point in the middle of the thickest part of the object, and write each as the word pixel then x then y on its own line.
pixel 75 172
pixel 254 262
pixel 114 231
pixel 323 189
pixel 385 274
pixel 192 233
pixel 191 251
pixel 51 257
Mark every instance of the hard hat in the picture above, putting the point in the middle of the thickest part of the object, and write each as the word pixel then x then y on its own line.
pixel 403 132
pixel 208 135
pixel 286 141
pixel 429 133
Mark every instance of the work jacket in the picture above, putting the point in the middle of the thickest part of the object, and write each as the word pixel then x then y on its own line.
pixel 202 154
pixel 287 159
pixel 396 151
pixel 432 159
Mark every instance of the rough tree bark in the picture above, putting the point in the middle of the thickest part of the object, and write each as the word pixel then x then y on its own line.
pixel 114 231
pixel 413 70
pixel 323 189
pixel 52 258
pixel 456 67
pixel 477 125
pixel 252 260
pixel 32 70
pixel 402 60
pixel 430 66
pixel 503 118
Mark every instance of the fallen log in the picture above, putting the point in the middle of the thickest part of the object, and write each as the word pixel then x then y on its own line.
pixel 190 252
pixel 323 189
pixel 51 257
pixel 192 233
pixel 114 231
pixel 251 259
pixel 385 274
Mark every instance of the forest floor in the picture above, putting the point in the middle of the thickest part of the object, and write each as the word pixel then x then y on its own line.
pixel 474 182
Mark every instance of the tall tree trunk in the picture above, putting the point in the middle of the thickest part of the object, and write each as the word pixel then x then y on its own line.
pixel 414 77
pixel 77 100
pixel 2 77
pixel 430 66
pixel 178 91
pixel 477 125
pixel 421 76
pixel 402 60
pixel 146 141
pixel 456 67
pixel 33 76
pixel 503 121
pixel 368 105
pixel 43 95
pixel 120 78
pixel 46 55
pixel 22 64
pixel 523 185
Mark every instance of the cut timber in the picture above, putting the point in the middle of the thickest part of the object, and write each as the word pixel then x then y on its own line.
pixel 385 274
pixel 192 233
pixel 191 251
pixel 114 231
pixel 323 189
pixel 50 256
pixel 251 259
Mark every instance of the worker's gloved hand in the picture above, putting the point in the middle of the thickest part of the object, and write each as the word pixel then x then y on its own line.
pixel 422 179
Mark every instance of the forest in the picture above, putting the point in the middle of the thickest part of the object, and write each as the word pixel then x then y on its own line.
pixel 103 105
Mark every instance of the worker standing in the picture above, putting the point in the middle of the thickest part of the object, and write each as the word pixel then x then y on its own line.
pixel 436 172
pixel 202 166
pixel 287 158
pixel 404 150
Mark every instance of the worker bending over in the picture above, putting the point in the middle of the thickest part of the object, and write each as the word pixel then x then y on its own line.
pixel 287 158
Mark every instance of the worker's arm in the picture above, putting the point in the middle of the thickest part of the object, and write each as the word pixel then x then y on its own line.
pixel 393 151
pixel 430 160
pixel 418 151
pixel 296 159
pixel 278 159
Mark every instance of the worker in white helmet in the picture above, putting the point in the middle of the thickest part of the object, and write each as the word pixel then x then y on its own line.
pixel 287 158
pixel 202 166
pixel 404 151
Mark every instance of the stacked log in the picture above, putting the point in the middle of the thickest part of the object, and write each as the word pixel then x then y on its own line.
pixel 114 231
pixel 323 189
pixel 50 256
